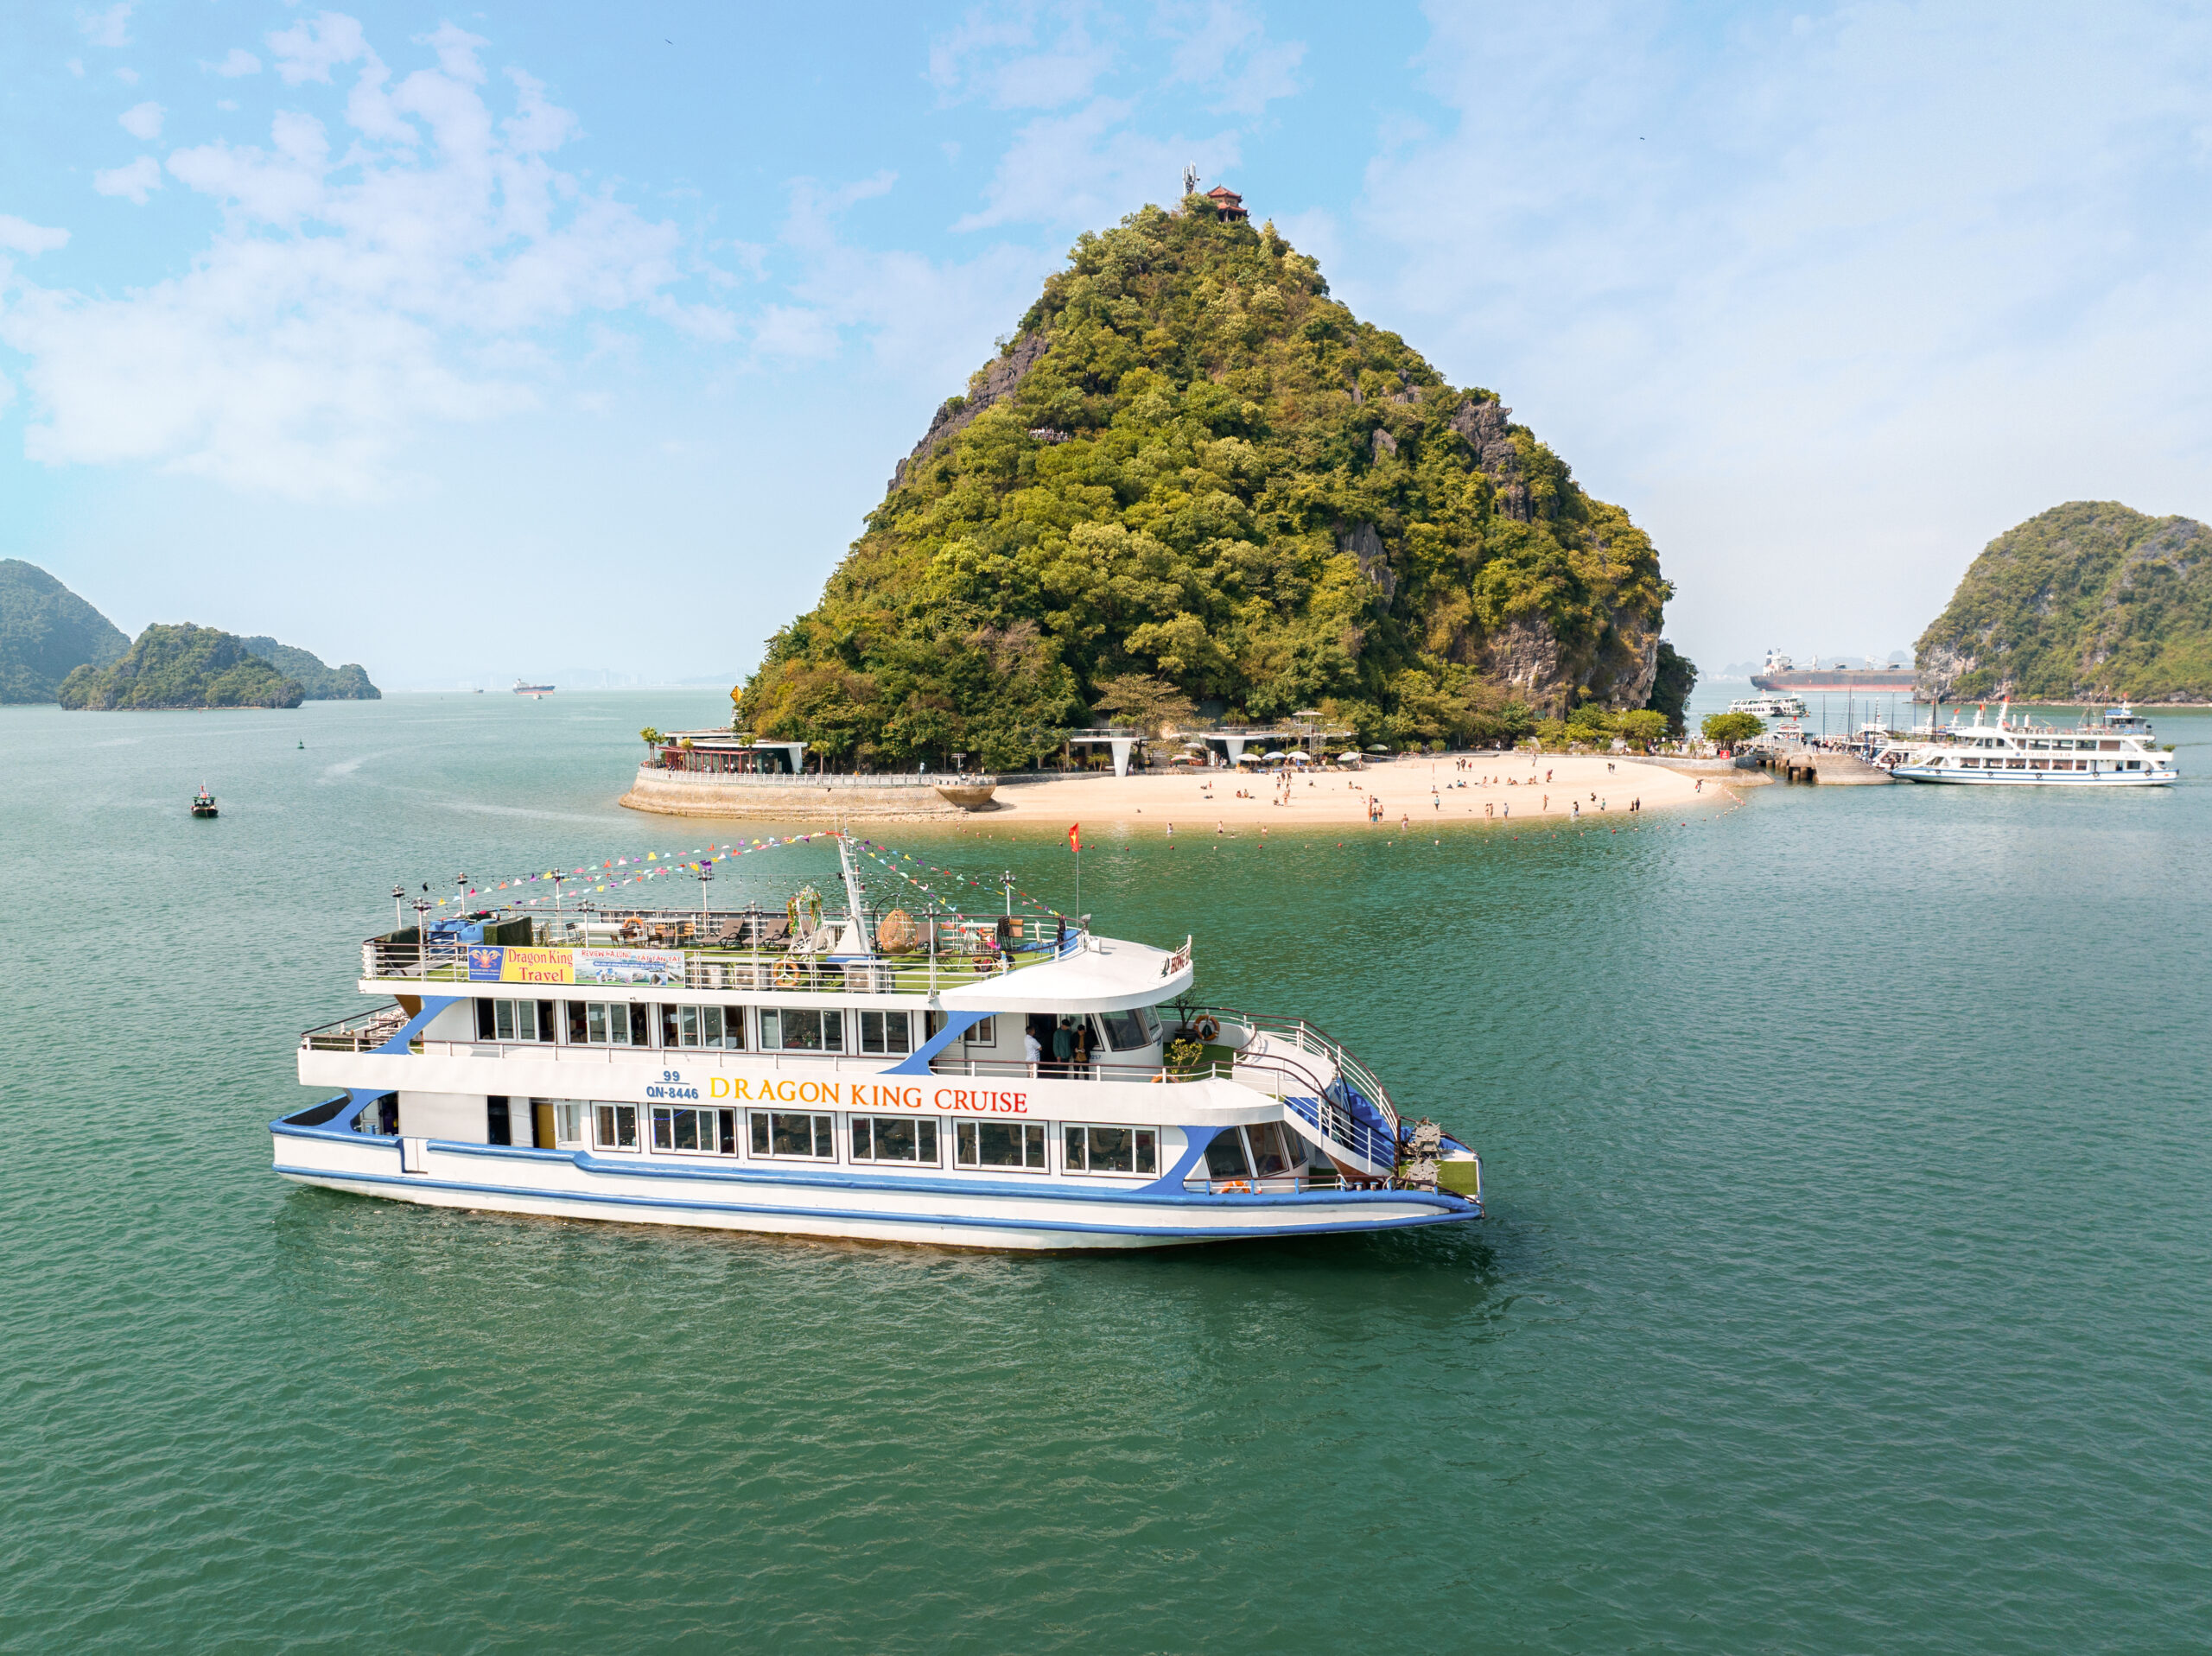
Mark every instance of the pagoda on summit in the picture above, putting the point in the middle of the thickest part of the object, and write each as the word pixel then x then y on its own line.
pixel 1228 206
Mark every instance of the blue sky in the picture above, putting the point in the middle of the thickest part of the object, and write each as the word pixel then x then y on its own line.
pixel 472 343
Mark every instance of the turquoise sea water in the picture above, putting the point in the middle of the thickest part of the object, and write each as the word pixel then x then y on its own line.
pixel 1846 1286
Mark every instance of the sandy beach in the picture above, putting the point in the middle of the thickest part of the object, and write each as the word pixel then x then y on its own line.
pixel 1412 791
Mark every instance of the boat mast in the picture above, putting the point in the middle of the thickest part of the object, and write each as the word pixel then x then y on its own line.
pixel 853 906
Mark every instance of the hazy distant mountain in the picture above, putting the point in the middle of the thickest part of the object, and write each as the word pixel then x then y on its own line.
pixel 182 666
pixel 47 632
pixel 320 682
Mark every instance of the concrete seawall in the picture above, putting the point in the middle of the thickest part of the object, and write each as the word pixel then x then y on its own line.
pixel 1829 769
pixel 679 793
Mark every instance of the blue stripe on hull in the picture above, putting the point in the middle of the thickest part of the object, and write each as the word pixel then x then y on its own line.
pixel 1068 1228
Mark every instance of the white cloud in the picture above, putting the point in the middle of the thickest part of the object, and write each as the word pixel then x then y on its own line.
pixel 357 293
pixel 110 28
pixel 1895 280
pixel 1002 54
pixel 21 236
pixel 310 50
pixel 239 62
pixel 128 77
pixel 136 180
pixel 1223 45
pixel 141 121
pixel 1090 167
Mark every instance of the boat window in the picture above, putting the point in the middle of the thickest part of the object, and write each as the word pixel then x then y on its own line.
pixel 887 1033
pixel 1269 1157
pixel 615 1127
pixel 1225 1157
pixel 802 1028
pixel 982 1032
pixel 894 1138
pixel 998 1144
pixel 569 1115
pixel 514 1020
pixel 1113 1150
pixel 608 1023
pixel 791 1132
pixel 1124 1030
pixel 703 1133
pixel 702 1026
pixel 1151 1026
pixel 499 1124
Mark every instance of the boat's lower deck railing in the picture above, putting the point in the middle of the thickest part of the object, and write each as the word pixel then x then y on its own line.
pixel 1313 1074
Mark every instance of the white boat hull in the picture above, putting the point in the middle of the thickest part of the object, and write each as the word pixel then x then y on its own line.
pixel 1015 1213
pixel 2035 778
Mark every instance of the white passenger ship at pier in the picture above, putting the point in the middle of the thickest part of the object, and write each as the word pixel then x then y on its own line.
pixel 859 1076
pixel 2115 752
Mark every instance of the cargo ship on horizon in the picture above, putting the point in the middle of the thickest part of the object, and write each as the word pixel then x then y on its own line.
pixel 1784 675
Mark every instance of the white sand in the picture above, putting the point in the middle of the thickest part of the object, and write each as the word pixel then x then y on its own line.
pixel 1413 790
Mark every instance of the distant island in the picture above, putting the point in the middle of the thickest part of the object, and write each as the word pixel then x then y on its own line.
pixel 2089 601
pixel 181 667
pixel 51 641
pixel 47 632
pixel 1191 484
pixel 322 683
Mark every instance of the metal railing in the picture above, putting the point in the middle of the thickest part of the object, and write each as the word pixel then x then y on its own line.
pixel 752 949
pixel 1325 1104
pixel 364 1032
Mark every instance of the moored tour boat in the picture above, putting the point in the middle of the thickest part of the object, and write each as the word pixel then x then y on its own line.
pixel 1017 1081
pixel 2115 751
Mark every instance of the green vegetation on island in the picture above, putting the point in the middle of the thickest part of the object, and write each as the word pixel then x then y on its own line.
pixel 2089 600
pixel 321 682
pixel 1191 477
pixel 182 666
pixel 1731 729
pixel 47 632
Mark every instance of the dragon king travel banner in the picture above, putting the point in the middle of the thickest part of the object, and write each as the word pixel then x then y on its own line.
pixel 490 964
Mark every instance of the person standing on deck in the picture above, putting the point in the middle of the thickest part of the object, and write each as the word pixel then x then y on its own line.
pixel 1032 1048
pixel 1063 1045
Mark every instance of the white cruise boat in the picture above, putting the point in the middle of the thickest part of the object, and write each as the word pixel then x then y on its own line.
pixel 859 1076
pixel 1770 704
pixel 2117 752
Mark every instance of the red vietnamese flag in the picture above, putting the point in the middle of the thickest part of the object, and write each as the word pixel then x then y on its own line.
pixel 1075 843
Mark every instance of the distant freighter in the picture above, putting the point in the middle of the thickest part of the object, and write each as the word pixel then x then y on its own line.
pixel 521 688
pixel 1780 673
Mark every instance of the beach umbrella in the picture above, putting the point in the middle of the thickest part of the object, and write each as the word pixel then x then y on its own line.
pixel 1247 758
pixel 1377 747
pixel 1301 759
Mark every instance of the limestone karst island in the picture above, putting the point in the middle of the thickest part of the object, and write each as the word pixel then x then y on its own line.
pixel 56 647
pixel 1193 492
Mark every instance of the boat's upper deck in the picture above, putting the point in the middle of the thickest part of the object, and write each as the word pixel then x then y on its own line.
pixel 1022 962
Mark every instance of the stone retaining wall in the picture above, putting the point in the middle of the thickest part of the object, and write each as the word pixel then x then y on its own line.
pixel 685 793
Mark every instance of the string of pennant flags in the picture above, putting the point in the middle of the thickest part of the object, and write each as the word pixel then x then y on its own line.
pixel 590 879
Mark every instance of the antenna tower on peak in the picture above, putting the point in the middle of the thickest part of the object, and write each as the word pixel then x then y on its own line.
pixel 1191 178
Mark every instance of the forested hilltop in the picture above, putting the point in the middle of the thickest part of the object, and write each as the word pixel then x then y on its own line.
pixel 1191 476
pixel 316 677
pixel 2087 601
pixel 46 631
pixel 183 666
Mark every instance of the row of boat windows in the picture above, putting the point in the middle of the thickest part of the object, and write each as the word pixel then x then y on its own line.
pixel 2045 744
pixel 780 1029
pixel 807 1135
pixel 620 1023
pixel 1971 763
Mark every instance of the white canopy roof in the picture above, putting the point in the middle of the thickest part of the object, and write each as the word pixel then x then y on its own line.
pixel 1112 975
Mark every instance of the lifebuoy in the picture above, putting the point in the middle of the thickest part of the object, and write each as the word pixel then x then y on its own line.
pixel 787 974
pixel 1235 1187
pixel 1206 1027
